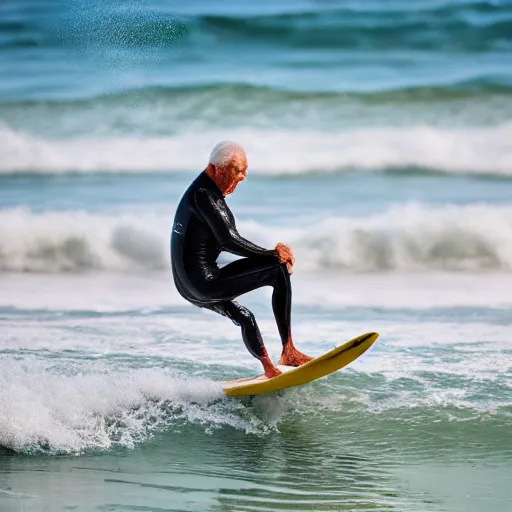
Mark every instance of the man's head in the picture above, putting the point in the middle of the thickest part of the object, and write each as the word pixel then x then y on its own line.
pixel 227 166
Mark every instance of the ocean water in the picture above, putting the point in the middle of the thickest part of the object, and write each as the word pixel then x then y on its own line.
pixel 379 139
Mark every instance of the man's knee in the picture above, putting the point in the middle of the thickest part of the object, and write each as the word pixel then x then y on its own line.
pixel 245 317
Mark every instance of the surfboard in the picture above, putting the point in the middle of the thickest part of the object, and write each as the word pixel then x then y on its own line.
pixel 319 367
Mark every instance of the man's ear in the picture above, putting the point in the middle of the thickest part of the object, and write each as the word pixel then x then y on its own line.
pixel 210 168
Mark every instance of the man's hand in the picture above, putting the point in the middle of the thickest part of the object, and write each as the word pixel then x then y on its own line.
pixel 285 255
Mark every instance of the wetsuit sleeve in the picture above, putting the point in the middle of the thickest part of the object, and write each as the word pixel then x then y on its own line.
pixel 216 213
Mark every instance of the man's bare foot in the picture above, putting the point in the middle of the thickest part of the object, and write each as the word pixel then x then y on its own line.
pixel 270 370
pixel 293 357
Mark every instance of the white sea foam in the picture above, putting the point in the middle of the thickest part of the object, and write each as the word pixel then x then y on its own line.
pixel 94 407
pixel 70 413
pixel 406 238
pixel 452 150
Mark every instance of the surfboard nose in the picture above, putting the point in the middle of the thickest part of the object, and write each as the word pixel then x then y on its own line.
pixel 369 336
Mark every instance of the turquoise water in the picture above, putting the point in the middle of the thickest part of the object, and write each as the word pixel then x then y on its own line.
pixel 379 146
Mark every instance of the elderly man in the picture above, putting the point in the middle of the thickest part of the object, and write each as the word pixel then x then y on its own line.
pixel 203 227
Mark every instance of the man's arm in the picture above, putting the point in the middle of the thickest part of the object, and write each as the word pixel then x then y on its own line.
pixel 221 221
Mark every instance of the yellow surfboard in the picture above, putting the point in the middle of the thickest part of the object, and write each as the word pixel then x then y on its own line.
pixel 291 376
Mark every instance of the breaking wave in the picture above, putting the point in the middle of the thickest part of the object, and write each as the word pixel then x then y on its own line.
pixel 485 150
pixel 405 238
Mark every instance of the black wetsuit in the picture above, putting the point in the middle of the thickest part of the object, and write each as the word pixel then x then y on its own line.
pixel 203 227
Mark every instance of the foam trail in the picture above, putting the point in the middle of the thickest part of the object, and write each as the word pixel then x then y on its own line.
pixel 403 239
pixel 70 413
pixel 485 150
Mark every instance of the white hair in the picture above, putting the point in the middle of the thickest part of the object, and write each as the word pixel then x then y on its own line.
pixel 224 152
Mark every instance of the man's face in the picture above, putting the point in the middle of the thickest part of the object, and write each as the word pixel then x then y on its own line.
pixel 234 172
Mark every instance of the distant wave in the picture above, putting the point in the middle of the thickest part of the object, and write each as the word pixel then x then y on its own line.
pixel 484 150
pixel 466 26
pixel 474 26
pixel 403 239
pixel 168 111
pixel 477 87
